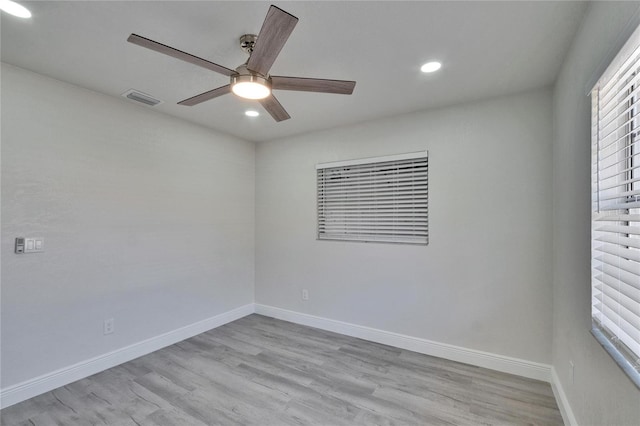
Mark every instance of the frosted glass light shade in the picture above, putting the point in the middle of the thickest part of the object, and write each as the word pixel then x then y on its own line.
pixel 14 9
pixel 251 90
pixel 431 67
pixel 250 86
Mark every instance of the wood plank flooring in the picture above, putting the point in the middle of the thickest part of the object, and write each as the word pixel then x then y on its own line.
pixel 262 371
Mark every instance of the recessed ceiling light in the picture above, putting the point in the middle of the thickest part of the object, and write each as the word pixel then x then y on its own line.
pixel 14 9
pixel 251 113
pixel 431 67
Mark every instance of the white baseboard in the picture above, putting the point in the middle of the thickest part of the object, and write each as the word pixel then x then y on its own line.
pixel 38 385
pixel 563 403
pixel 529 369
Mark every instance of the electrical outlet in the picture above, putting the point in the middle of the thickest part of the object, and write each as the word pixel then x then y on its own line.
pixel 305 294
pixel 572 372
pixel 109 326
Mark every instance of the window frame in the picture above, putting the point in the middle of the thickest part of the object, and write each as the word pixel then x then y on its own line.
pixel 616 203
pixel 395 188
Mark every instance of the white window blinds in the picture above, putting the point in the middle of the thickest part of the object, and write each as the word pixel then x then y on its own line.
pixel 615 221
pixel 376 199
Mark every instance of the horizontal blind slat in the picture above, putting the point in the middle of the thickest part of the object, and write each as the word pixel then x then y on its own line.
pixel 619 229
pixel 619 251
pixel 618 298
pixel 620 206
pixel 624 264
pixel 616 273
pixel 616 217
pixel 611 282
pixel 621 241
pixel 618 326
pixel 618 184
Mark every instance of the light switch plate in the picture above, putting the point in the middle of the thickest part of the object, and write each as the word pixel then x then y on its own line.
pixel 33 245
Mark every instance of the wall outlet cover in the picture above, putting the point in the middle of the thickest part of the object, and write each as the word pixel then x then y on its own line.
pixel 109 326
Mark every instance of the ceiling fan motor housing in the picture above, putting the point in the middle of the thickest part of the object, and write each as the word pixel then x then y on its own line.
pixel 245 75
pixel 250 78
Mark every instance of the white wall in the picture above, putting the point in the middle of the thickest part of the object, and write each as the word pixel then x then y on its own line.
pixel 146 219
pixel 601 394
pixel 484 280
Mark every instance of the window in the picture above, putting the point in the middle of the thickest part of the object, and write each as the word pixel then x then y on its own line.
pixel 615 224
pixel 380 199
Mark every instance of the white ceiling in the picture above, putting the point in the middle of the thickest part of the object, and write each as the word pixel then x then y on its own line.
pixel 487 49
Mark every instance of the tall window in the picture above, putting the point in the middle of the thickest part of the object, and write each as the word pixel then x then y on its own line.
pixel 380 199
pixel 615 224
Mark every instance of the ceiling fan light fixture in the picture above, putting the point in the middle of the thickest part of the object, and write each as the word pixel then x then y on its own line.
pixel 252 80
pixel 250 86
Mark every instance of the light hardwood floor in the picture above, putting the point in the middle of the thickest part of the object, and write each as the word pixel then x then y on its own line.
pixel 262 371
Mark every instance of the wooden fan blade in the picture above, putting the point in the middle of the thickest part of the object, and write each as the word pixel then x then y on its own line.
pixel 197 99
pixel 179 54
pixel 342 87
pixel 273 107
pixel 276 29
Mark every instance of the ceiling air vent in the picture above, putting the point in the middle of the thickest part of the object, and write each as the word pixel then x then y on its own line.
pixel 143 98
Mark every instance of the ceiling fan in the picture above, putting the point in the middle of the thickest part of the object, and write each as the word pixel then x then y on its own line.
pixel 251 80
